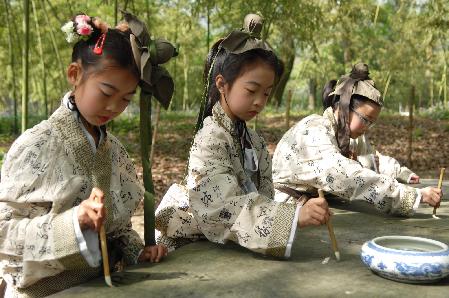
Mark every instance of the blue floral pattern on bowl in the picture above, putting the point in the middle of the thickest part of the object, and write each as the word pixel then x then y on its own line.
pixel 404 264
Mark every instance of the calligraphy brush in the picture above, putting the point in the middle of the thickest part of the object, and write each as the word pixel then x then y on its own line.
pixel 440 184
pixel 330 228
pixel 104 254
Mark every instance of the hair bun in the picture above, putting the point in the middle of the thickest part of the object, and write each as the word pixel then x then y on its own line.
pixel 122 26
pixel 100 25
pixel 253 23
pixel 360 71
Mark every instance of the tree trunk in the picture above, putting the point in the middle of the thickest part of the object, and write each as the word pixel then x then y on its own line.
pixel 431 91
pixel 116 12
pixel 25 66
pixel 387 84
pixel 312 93
pixel 287 109
pixel 347 55
pixel 411 102
pixel 185 93
pixel 445 88
pixel 41 53
pixel 288 67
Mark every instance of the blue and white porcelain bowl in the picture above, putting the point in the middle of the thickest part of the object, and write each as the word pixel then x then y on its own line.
pixel 407 259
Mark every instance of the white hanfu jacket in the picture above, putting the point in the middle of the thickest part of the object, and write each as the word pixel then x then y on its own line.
pixel 46 174
pixel 307 158
pixel 224 200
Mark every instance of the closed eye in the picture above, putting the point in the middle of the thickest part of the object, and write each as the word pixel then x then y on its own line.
pixel 105 94
pixel 250 91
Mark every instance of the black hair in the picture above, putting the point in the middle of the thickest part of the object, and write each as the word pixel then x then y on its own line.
pixel 328 100
pixel 116 49
pixel 230 66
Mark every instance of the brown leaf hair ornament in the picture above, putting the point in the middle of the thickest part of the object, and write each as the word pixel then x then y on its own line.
pixel 237 42
pixel 247 38
pixel 148 54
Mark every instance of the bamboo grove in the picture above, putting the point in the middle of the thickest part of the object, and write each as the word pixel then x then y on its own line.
pixel 404 42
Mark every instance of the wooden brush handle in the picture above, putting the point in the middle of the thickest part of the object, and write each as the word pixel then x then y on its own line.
pixel 104 249
pixel 330 228
pixel 440 184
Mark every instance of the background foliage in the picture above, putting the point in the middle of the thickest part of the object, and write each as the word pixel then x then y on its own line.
pixel 404 42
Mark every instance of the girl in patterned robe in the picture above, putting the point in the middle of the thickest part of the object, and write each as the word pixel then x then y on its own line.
pixel 366 155
pixel 229 192
pixel 316 152
pixel 55 172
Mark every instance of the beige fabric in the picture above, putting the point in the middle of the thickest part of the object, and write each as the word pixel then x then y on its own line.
pixel 375 161
pixel 307 157
pixel 214 203
pixel 48 171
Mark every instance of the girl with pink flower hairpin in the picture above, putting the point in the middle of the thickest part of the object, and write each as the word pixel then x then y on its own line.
pixel 67 176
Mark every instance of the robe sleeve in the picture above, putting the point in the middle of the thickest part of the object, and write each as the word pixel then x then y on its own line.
pixel 266 180
pixel 386 165
pixel 129 242
pixel 37 238
pixel 391 167
pixel 223 211
pixel 126 238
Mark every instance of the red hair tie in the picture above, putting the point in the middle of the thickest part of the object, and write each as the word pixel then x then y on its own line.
pixel 98 49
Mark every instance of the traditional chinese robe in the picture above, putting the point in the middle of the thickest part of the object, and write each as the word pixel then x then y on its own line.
pixel 46 174
pixel 224 200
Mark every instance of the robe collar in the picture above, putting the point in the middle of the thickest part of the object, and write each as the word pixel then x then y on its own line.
pixel 330 116
pixel 224 120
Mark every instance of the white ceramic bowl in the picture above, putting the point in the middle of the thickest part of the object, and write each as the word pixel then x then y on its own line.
pixel 407 259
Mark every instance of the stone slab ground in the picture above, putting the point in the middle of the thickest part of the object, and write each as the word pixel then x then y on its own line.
pixel 204 269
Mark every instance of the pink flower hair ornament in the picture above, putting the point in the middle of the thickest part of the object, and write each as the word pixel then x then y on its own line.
pixel 80 29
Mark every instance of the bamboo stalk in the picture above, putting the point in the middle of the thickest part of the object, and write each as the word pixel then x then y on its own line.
pixel 12 64
pixel 104 254
pixel 25 64
pixel 42 62
pixel 387 84
pixel 145 145
pixel 154 136
pixel 330 228
pixel 376 14
pixel 440 184
pixel 61 80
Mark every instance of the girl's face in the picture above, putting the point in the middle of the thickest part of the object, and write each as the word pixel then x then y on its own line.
pixel 362 118
pixel 249 92
pixel 102 96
